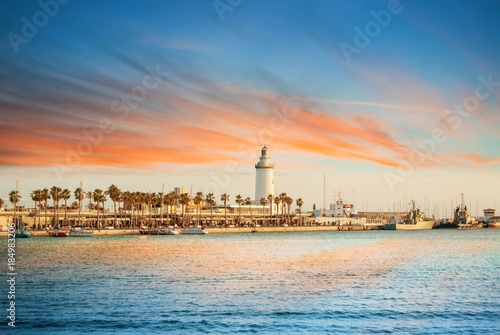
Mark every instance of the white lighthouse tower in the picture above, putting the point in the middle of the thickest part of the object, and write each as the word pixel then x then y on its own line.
pixel 264 176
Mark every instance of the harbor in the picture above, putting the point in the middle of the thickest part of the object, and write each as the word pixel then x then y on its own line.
pixel 136 212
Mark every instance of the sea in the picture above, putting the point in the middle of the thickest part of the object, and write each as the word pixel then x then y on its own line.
pixel 347 282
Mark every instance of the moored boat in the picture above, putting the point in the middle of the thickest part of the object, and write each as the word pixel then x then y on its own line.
pixel 58 233
pixel 158 231
pixel 168 232
pixel 80 233
pixel 461 219
pixel 21 233
pixel 414 221
pixel 194 231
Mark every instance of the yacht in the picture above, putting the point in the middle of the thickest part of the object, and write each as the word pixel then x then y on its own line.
pixel 194 231
pixel 80 233
pixel 58 233
pixel 158 231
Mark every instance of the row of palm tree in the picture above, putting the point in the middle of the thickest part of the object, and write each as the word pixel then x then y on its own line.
pixel 138 201
pixel 283 199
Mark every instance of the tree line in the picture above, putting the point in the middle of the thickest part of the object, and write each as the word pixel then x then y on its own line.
pixel 137 202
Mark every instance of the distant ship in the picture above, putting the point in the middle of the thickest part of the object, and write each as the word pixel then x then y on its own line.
pixel 461 219
pixel 414 221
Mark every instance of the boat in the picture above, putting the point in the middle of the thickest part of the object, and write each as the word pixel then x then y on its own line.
pixel 447 224
pixel 158 231
pixel 373 226
pixel 80 233
pixel 168 232
pixel 414 221
pixel 461 219
pixel 58 233
pixel 21 233
pixel 194 231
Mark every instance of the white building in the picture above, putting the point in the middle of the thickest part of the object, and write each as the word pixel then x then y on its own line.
pixel 264 178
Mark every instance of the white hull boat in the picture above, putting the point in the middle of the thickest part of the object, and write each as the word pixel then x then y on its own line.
pixel 80 233
pixel 194 231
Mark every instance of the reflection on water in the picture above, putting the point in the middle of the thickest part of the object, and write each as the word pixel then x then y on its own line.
pixel 349 282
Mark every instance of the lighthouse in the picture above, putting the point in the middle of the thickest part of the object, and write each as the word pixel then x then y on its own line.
pixel 264 176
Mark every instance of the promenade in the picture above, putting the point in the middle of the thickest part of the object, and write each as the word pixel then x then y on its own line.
pixel 232 230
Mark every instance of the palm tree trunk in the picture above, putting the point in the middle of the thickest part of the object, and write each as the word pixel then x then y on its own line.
pixel 251 214
pixel 114 207
pixel 225 213
pixel 103 218
pixel 45 213
pixel 80 212
pixel 264 215
pixel 271 218
pixel 66 211
pixel 150 224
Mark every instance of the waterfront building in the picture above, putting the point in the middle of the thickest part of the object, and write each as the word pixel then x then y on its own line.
pixel 490 218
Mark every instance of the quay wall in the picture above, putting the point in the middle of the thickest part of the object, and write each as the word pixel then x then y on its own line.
pixel 232 230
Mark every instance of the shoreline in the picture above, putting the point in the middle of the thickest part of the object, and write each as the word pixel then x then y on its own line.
pixel 233 230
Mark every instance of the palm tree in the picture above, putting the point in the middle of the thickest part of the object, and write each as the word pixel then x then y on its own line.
pixel 282 199
pixel 99 197
pixel 277 201
pixel 148 199
pixel 90 196
pixel 198 199
pixel 225 198
pixel 289 202
pixel 270 198
pixel 127 200
pixel 14 198
pixel 169 201
pixel 44 194
pixel 114 194
pixel 65 195
pixel 120 200
pixel 299 203
pixel 155 199
pixel 55 195
pixel 1 204
pixel 173 204
pixel 239 201
pixel 79 195
pixel 248 202
pixel 209 198
pixel 184 201
pixel 263 202
pixel 136 199
pixel 161 198
pixel 103 199
pixel 36 196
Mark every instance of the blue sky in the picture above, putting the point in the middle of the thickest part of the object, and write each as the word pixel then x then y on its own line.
pixel 356 120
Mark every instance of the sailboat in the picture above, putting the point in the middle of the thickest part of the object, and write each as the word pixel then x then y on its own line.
pixel 20 231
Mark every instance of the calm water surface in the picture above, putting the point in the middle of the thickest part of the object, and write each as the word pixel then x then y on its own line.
pixel 421 282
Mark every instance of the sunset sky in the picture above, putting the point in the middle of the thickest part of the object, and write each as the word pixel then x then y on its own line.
pixel 390 100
